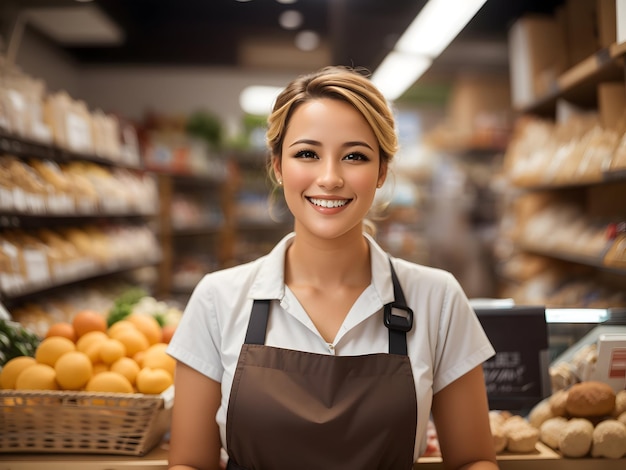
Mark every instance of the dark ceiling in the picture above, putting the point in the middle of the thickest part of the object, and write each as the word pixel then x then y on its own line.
pixel 210 32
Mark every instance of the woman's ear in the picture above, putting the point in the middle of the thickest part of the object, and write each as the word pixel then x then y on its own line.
pixel 276 166
pixel 382 175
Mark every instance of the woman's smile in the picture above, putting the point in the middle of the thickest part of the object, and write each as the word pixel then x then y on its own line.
pixel 322 203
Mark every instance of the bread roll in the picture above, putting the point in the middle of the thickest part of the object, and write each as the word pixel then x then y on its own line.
pixel 550 431
pixel 609 440
pixel 576 438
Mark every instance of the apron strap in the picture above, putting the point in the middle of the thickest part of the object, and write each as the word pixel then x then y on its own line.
pixel 257 327
pixel 398 325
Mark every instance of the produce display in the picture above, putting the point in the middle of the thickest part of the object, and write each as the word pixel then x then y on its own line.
pixel 120 351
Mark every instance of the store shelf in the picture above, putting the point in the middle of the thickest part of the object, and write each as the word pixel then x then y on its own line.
pixel 27 148
pixel 578 84
pixel 591 261
pixel 206 234
pixel 86 271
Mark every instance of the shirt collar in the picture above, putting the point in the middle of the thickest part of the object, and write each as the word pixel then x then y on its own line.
pixel 270 279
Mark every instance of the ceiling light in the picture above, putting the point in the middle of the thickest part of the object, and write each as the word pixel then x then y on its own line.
pixel 432 30
pixel 307 40
pixel 258 100
pixel 399 71
pixel 287 2
pixel 436 25
pixel 290 19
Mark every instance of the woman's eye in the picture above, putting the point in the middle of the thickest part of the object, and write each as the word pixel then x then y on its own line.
pixel 356 157
pixel 305 154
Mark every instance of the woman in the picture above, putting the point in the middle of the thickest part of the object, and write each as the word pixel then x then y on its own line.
pixel 327 353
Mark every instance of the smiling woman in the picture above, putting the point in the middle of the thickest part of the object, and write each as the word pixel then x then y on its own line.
pixel 297 353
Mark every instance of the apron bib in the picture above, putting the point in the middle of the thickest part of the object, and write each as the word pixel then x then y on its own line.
pixel 297 410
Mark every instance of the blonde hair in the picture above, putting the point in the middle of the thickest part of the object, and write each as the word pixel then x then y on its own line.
pixel 340 83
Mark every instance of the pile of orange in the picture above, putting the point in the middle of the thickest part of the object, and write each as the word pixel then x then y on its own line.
pixel 127 357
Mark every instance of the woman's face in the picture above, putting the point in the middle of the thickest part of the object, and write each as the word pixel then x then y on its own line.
pixel 330 168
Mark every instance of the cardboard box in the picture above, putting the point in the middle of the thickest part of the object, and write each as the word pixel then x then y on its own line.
pixel 606 18
pixel 612 105
pixel 581 32
pixel 537 56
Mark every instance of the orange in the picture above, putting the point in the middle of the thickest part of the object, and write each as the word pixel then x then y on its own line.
pixel 52 348
pixel 118 326
pixel 99 367
pixel 63 329
pixel 153 381
pixel 37 377
pixel 73 370
pixel 155 357
pixel 109 382
pixel 134 340
pixel 88 320
pixel 167 331
pixel 148 325
pixel 90 338
pixel 127 367
pixel 138 357
pixel 12 368
pixel 111 350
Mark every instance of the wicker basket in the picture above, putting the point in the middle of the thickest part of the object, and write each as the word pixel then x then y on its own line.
pixel 83 422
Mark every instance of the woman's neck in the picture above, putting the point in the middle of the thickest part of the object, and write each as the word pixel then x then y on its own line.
pixel 328 263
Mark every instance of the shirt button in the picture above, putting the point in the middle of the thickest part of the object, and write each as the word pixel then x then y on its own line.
pixel 331 347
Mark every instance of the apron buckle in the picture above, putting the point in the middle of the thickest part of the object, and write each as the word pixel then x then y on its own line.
pixel 398 322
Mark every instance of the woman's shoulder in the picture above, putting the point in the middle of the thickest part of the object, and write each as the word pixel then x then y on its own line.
pixel 413 271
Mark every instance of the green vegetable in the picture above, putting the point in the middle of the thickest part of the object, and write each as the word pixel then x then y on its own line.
pixel 15 340
pixel 123 305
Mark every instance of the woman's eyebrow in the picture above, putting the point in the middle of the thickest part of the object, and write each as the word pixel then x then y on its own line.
pixel 306 141
pixel 358 143
pixel 355 143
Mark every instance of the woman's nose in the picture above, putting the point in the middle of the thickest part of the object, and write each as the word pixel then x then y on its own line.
pixel 330 176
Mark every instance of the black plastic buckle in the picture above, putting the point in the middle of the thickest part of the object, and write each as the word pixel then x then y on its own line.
pixel 398 322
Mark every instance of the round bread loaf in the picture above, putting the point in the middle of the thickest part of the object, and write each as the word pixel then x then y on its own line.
pixel 558 402
pixel 591 398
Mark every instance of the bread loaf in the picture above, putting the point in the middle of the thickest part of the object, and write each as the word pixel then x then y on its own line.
pixel 590 399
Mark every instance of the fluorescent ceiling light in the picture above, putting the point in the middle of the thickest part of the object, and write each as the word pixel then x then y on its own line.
pixel 258 100
pixel 398 72
pixel 436 25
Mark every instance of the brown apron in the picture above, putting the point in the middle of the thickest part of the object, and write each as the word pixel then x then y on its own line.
pixel 297 410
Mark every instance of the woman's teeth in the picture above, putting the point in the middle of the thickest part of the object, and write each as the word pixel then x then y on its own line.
pixel 329 203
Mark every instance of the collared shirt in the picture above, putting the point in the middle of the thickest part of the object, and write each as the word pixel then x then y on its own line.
pixel 446 340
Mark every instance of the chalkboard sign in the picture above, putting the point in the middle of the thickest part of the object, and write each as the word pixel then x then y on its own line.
pixel 517 376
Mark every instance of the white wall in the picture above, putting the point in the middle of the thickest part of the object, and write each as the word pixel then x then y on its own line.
pixel 131 91
pixel 41 59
